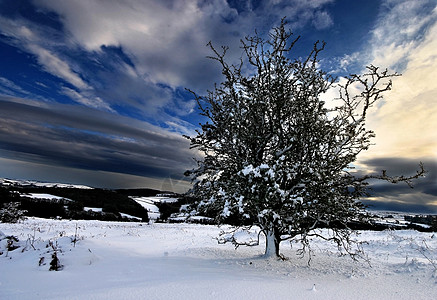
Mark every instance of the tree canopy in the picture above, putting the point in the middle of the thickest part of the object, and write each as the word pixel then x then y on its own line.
pixel 275 154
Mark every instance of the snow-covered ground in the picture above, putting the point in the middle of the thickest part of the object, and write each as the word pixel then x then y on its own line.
pixel 113 260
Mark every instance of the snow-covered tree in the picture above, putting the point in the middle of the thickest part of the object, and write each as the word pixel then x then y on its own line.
pixel 275 154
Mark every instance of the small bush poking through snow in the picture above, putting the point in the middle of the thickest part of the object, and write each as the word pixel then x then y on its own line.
pixel 10 213
pixel 55 264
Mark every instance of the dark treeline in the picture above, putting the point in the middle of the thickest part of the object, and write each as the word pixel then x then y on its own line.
pixel 111 202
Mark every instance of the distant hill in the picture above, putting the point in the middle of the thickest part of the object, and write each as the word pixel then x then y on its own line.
pixel 73 201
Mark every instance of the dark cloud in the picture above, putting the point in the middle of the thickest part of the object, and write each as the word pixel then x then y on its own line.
pixel 423 195
pixel 384 205
pixel 406 167
pixel 72 136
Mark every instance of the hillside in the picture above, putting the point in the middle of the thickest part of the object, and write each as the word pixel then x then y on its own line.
pixel 51 200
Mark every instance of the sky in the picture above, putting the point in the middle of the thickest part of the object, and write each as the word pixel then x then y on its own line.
pixel 94 91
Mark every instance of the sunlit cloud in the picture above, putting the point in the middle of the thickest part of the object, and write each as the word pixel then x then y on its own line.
pixel 405 123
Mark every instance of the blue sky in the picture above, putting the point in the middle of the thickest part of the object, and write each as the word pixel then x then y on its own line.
pixel 93 92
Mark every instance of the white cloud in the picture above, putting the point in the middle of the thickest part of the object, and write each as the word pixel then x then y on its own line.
pixel 322 20
pixel 166 39
pixel 159 37
pixel 9 87
pixel 400 28
pixel 56 66
pixel 90 101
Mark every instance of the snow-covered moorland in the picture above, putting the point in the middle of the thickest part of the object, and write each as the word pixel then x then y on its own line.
pixel 110 260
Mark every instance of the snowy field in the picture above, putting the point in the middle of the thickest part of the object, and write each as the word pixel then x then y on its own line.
pixel 183 261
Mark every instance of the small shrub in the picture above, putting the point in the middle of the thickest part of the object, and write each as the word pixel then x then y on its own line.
pixel 11 213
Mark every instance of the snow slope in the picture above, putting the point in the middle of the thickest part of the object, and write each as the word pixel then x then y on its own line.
pixel 113 260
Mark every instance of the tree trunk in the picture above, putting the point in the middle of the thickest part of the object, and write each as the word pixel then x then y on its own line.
pixel 272 242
